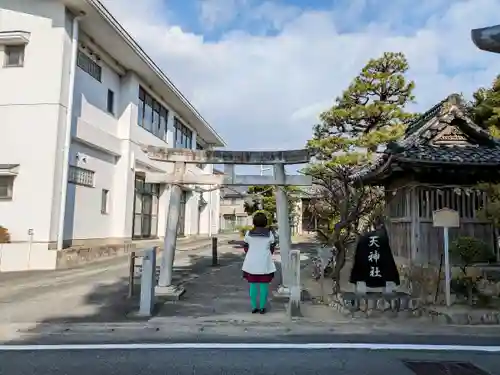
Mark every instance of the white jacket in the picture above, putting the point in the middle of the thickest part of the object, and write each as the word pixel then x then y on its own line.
pixel 259 260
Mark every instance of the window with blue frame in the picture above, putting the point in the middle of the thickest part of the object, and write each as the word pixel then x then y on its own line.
pixel 183 136
pixel 151 115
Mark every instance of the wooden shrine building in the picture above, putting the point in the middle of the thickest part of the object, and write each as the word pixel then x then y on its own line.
pixel 436 164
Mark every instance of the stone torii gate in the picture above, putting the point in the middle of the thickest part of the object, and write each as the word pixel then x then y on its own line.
pixel 181 157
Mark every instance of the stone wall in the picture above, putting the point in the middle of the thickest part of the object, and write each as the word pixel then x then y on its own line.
pixel 76 256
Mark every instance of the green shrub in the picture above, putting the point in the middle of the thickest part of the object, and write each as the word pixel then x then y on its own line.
pixel 244 229
pixel 467 251
pixel 4 235
pixel 470 250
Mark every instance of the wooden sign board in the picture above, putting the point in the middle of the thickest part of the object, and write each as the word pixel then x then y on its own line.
pixel 445 218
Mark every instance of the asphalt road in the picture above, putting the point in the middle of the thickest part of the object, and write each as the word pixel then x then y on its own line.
pixel 94 293
pixel 238 361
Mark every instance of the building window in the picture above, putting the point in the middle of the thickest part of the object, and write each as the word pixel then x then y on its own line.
pixel 146 202
pixel 111 102
pixel 89 66
pixel 6 187
pixel 14 56
pixel 105 202
pixel 229 222
pixel 80 176
pixel 151 115
pixel 182 135
pixel 241 221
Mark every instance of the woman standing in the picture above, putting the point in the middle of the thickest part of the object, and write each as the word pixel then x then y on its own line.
pixel 258 267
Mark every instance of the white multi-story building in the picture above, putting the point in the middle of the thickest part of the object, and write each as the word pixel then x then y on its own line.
pixel 70 62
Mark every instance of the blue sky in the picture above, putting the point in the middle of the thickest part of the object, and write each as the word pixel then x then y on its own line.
pixel 349 17
pixel 262 71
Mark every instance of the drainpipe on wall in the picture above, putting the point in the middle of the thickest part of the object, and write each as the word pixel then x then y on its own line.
pixel 210 213
pixel 67 131
pixel 210 201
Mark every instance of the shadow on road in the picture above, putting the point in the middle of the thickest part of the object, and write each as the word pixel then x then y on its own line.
pixel 113 305
pixel 218 291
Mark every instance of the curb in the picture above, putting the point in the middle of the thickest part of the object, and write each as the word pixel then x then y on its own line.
pixel 201 245
pixel 178 328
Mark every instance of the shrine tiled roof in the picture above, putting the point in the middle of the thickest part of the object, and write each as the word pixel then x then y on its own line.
pixel 467 155
pixel 424 118
pixel 442 135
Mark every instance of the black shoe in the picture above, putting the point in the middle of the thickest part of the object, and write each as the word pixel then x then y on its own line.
pixel 262 311
pixel 255 311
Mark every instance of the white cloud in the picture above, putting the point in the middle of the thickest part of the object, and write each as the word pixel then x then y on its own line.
pixel 214 13
pixel 265 92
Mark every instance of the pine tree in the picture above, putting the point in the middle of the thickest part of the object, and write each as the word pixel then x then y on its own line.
pixel 485 112
pixel 371 111
pixel 369 114
pixel 264 198
pixel 486 108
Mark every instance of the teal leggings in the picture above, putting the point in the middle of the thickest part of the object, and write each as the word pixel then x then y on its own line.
pixel 254 293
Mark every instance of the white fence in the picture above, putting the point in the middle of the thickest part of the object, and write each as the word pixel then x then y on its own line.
pixel 24 256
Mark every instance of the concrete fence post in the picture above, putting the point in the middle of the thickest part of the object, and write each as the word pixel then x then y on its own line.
pixel 295 286
pixel 131 274
pixel 215 255
pixel 148 281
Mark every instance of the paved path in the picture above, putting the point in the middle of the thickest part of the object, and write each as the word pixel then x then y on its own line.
pixel 239 360
pixel 93 293
pixel 222 294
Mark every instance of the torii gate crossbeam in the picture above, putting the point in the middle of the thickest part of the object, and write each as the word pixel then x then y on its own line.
pixel 181 157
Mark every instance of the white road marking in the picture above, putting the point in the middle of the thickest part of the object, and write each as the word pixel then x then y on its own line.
pixel 311 346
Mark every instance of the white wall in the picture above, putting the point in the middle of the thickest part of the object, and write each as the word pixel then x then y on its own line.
pixel 33 105
pixel 90 99
pixel 31 111
pixel 84 219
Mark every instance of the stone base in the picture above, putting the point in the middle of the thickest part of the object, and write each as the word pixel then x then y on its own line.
pixel 461 315
pixel 373 303
pixel 169 293
pixel 293 310
pixel 282 294
pixel 139 315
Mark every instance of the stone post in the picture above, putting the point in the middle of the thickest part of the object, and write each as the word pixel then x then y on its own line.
pixel 148 279
pixel 295 287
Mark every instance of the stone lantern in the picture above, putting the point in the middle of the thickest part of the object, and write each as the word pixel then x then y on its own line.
pixel 487 38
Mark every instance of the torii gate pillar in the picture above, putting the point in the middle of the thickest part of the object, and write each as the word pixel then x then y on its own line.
pixel 170 240
pixel 181 157
pixel 283 226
